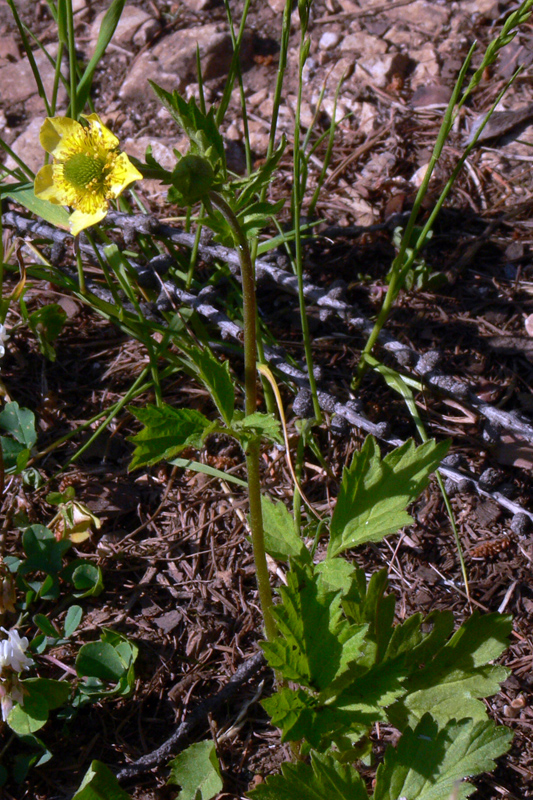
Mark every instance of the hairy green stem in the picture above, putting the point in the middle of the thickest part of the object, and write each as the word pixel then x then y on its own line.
pixel 250 388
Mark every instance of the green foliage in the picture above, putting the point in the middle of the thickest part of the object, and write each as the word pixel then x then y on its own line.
pixel 192 178
pixel 323 779
pixel 197 771
pixel 215 375
pixel 111 660
pixel 430 762
pixel 47 323
pixel 419 275
pixel 99 783
pixel 374 670
pixel 41 695
pixel 167 431
pixel 105 34
pixel 255 427
pixel 376 491
pixel 281 537
pixel 202 130
pixel 19 424
pixel 25 195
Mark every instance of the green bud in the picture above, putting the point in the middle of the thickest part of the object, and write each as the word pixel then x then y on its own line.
pixel 192 178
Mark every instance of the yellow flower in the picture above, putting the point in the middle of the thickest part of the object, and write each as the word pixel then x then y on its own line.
pixel 87 171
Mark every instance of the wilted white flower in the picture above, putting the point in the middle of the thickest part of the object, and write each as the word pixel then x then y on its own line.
pixel 3 339
pixel 13 660
pixel 12 653
pixel 10 693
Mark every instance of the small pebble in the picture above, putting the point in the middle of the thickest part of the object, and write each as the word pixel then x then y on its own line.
pixel 520 524
pixel 329 40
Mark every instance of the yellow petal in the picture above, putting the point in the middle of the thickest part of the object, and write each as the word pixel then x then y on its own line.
pixel 54 130
pixel 108 139
pixel 122 175
pixel 78 220
pixel 44 186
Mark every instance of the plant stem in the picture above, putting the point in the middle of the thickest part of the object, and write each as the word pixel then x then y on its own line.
pixel 250 389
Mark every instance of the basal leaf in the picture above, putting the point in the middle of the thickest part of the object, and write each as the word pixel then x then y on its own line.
pixel 308 624
pixel 197 771
pixel 167 431
pixel 450 680
pixel 323 779
pixel 429 764
pixel 375 492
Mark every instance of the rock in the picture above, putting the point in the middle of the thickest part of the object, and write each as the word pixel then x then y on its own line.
pixel 172 62
pixel 277 5
pixel 258 98
pixel 133 21
pixel 427 68
pixel 425 16
pixel 342 70
pixel 401 36
pixel 380 69
pixel 28 147
pixel 9 51
pixel 329 40
pixel 199 5
pixel 431 96
pixel 363 44
pixel 17 84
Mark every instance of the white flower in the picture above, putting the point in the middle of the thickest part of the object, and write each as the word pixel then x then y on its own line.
pixel 12 652
pixel 3 339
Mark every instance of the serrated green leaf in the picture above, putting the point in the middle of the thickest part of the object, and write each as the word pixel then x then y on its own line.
pixel 429 764
pixel 167 431
pixel 281 538
pixel 197 771
pixel 323 779
pixel 19 423
pixel 99 783
pixel 309 624
pixel 375 492
pixel 449 682
pixel 335 575
pixel 251 186
pixel 258 426
pixel 216 376
pixel 200 128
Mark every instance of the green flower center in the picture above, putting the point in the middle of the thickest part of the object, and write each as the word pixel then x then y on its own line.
pixel 82 170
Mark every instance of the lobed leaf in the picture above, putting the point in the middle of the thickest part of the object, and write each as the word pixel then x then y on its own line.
pixel 429 763
pixel 197 771
pixel 167 431
pixel 323 779
pixel 375 492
